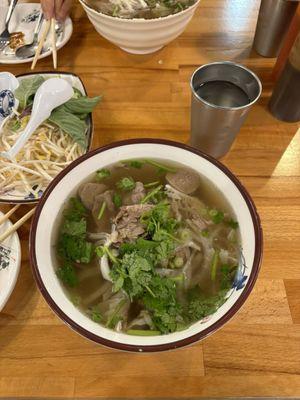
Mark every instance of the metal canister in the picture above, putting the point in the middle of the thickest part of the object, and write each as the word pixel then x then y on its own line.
pixel 285 100
pixel 274 19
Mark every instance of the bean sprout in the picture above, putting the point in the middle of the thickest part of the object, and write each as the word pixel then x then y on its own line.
pixel 46 153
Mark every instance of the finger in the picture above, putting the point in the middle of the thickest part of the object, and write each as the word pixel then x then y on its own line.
pixel 64 10
pixel 58 5
pixel 48 8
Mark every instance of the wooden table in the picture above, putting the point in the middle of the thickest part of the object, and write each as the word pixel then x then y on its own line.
pixel 258 352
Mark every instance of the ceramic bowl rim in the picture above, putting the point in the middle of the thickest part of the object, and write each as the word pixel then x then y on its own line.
pixel 258 245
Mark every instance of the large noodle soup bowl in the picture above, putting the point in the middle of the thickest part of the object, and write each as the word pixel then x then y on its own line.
pixel 49 211
pixel 137 35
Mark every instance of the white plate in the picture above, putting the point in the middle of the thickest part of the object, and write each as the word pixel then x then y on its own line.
pixel 10 259
pixel 24 20
pixel 22 197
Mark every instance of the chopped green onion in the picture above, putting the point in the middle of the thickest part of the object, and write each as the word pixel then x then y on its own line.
pixel 134 164
pixel 161 167
pixel 151 194
pixel 126 183
pixel 142 332
pixel 216 216
pixel 150 291
pixel 115 314
pixel 178 278
pixel 95 314
pixel 99 251
pixel 214 265
pixel 178 262
pixel 110 255
pixel 101 211
pixel 102 173
pixel 185 234
pixel 233 224
pixel 204 232
pixel 102 250
pixel 117 200
pixel 148 185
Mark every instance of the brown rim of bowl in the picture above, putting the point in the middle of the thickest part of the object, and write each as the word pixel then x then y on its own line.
pixel 89 132
pixel 160 347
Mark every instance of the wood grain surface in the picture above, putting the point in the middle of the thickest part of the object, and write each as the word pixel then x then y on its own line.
pixel 258 352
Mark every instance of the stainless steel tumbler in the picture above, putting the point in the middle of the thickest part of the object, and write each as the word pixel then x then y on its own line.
pixel 222 95
pixel 273 22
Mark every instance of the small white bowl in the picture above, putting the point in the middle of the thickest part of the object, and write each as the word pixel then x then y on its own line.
pixel 138 35
pixel 10 259
pixel 49 210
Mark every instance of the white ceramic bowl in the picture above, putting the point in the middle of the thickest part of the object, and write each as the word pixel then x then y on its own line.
pixel 140 36
pixel 49 209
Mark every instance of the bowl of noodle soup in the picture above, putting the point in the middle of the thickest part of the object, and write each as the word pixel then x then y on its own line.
pixel 140 273
pixel 135 32
pixel 49 150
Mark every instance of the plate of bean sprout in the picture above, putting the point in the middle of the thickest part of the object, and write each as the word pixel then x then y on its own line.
pixel 58 141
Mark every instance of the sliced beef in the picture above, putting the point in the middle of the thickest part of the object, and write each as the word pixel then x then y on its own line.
pixel 184 180
pixel 88 191
pixel 106 197
pixel 128 223
pixel 135 197
pixel 197 220
pixel 138 193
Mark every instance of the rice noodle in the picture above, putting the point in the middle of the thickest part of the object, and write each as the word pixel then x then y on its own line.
pixel 92 297
pixel 48 151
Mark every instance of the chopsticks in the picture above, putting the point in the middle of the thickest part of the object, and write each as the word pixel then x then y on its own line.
pixel 49 25
pixel 17 225
pixel 53 40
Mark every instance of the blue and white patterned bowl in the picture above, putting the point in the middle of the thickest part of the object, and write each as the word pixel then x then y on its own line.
pixel 10 259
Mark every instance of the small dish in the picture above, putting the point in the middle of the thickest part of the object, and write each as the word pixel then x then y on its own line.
pixel 10 259
pixel 24 20
pixel 23 197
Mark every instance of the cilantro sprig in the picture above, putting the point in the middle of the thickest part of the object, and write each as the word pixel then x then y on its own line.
pixel 72 245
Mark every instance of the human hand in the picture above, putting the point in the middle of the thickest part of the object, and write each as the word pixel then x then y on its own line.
pixel 58 9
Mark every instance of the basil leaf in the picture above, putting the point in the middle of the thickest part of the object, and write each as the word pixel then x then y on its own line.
pixel 82 105
pixel 70 124
pixel 28 88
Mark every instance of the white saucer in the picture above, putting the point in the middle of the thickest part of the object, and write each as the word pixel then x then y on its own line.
pixel 10 259
pixel 24 20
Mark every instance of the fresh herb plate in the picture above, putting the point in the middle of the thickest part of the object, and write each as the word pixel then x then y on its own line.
pixel 23 197
pixel 10 258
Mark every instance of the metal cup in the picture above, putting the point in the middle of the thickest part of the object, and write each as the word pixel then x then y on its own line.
pixel 214 127
pixel 274 19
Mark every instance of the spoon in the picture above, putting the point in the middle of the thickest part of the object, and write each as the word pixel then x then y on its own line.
pixel 51 94
pixel 28 50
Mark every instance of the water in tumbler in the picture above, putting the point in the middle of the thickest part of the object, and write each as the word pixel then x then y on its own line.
pixel 223 94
